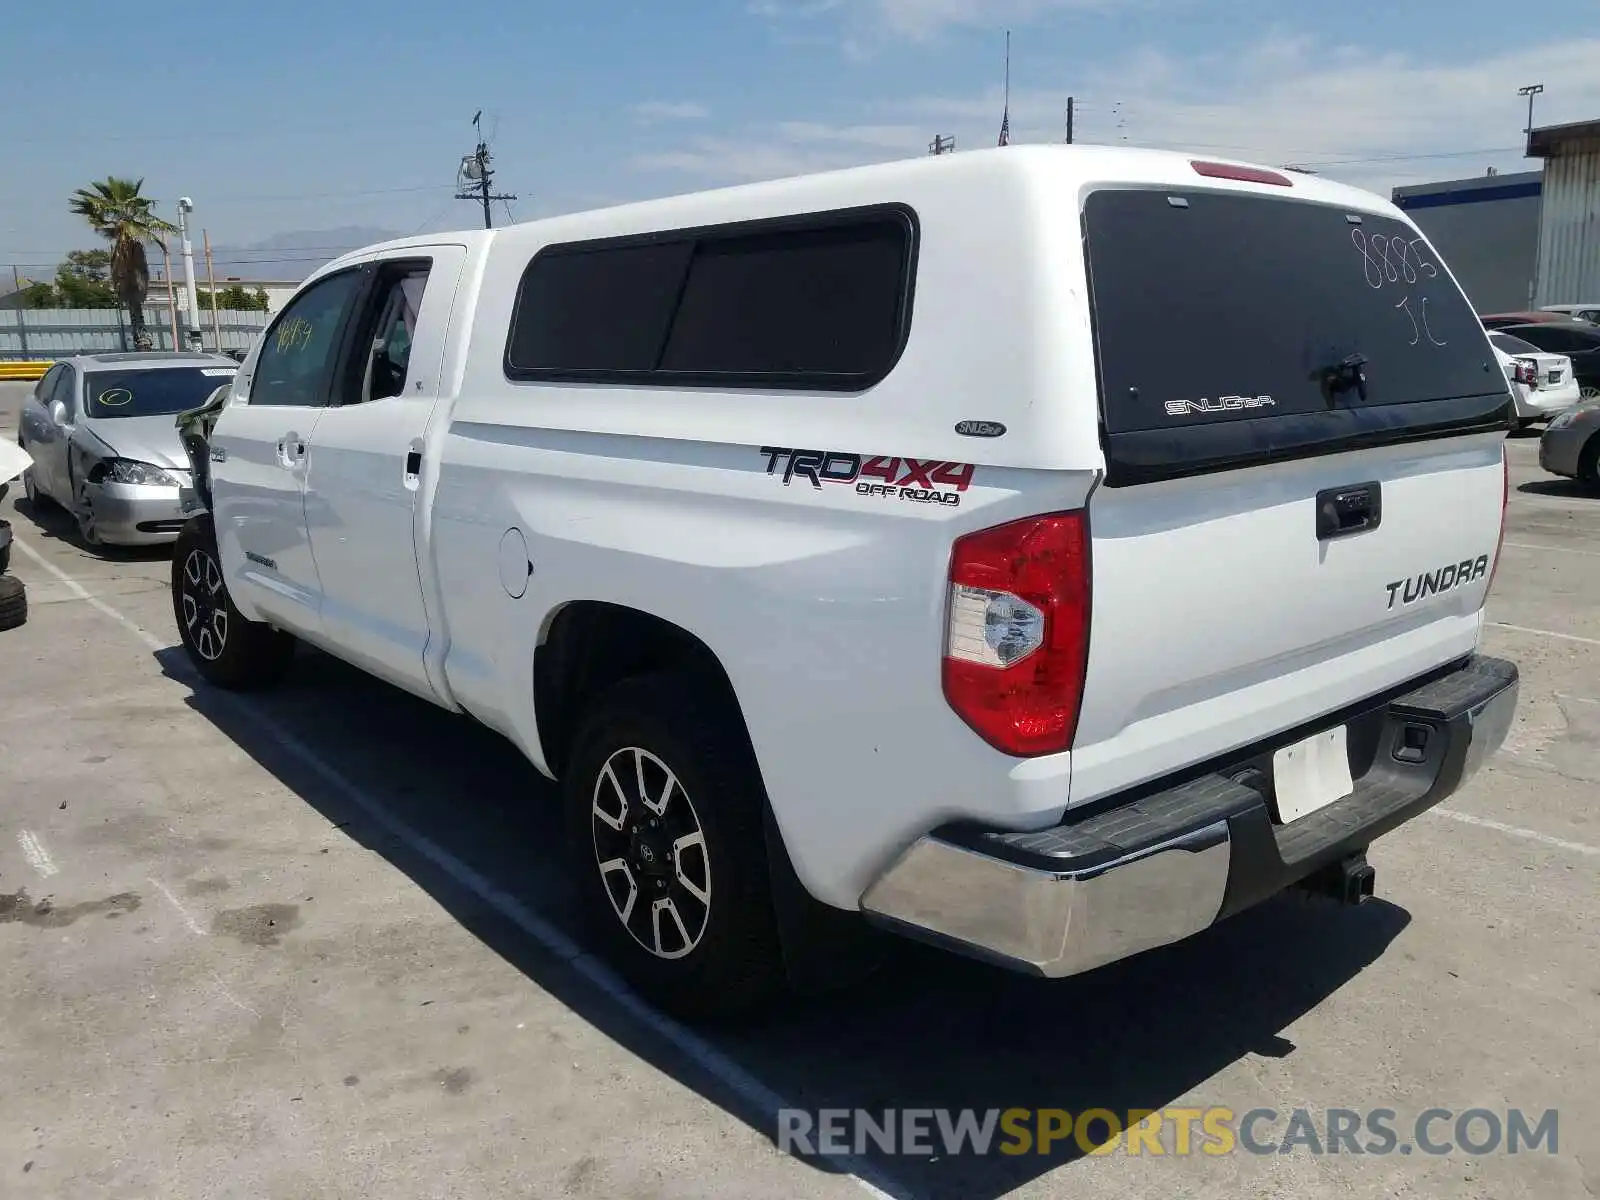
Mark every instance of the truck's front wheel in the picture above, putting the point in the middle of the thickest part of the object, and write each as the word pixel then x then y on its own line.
pixel 663 801
pixel 228 650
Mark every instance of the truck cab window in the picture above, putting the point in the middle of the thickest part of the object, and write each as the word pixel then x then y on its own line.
pixel 296 360
pixel 397 303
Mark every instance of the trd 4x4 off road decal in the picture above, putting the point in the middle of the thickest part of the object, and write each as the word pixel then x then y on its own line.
pixel 921 481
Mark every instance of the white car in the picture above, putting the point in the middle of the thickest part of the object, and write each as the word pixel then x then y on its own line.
pixel 1542 383
pixel 849 555
pixel 1583 312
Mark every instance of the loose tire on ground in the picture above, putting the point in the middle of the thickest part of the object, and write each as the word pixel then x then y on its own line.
pixel 707 838
pixel 226 649
pixel 13 602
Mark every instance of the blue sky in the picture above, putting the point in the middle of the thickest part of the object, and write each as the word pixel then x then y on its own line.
pixel 289 121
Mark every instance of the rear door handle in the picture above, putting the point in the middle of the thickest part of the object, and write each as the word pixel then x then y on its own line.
pixel 291 450
pixel 413 465
pixel 1354 508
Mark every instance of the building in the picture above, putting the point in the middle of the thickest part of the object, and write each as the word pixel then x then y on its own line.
pixel 1569 228
pixel 1488 229
pixel 278 290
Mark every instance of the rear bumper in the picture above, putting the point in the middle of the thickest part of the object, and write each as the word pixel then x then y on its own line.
pixel 1151 869
pixel 1542 403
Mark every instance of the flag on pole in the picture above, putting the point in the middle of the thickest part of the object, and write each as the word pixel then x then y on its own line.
pixel 1005 128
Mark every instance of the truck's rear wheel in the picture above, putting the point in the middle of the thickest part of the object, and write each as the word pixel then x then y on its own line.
pixel 226 649
pixel 663 803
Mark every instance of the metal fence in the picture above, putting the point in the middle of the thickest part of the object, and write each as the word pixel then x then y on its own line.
pixel 61 332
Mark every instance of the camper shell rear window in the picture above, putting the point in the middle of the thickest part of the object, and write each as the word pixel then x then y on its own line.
pixel 1232 329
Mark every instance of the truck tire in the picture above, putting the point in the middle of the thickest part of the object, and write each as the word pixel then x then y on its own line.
pixel 675 890
pixel 13 602
pixel 224 647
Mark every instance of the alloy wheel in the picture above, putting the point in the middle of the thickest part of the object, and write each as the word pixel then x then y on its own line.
pixel 650 850
pixel 205 612
pixel 88 529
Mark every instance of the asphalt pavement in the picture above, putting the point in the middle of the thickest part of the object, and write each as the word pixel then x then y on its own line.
pixel 318 943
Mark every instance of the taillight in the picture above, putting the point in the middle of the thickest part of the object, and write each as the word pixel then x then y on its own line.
pixel 1018 637
pixel 1527 372
pixel 1505 502
pixel 1217 170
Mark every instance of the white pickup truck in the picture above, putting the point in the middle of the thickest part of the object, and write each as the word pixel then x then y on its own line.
pixel 1045 552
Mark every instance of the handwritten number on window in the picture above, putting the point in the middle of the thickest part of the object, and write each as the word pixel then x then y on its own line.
pixel 1400 261
pixel 295 334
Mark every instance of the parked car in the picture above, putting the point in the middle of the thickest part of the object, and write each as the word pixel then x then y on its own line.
pixel 1570 444
pixel 1542 384
pixel 1580 342
pixel 1507 319
pixel 698 500
pixel 1581 312
pixel 100 428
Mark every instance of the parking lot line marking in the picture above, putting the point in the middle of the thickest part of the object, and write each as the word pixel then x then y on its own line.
pixel 83 593
pixel 38 857
pixel 188 919
pixel 1549 633
pixel 1531 835
pixel 1556 549
pixel 229 996
pixel 750 1090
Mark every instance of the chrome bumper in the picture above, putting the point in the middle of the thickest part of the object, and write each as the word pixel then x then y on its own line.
pixel 1055 923
pixel 1132 877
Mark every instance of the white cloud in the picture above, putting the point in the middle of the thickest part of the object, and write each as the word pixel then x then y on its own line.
pixel 917 20
pixel 654 112
pixel 1371 115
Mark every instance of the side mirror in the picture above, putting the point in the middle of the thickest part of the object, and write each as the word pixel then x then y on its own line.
pixel 58 413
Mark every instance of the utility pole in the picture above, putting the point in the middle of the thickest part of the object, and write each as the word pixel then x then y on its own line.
pixel 942 143
pixel 172 299
pixel 474 176
pixel 211 283
pixel 1069 120
pixel 1530 92
pixel 185 207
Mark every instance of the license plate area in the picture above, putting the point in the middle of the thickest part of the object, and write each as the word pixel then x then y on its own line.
pixel 1311 774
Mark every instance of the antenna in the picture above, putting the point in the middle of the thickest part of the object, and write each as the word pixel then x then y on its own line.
pixel 1005 116
pixel 474 175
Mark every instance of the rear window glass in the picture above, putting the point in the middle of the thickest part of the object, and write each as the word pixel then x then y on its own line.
pixel 1511 345
pixel 150 393
pixel 818 303
pixel 1213 307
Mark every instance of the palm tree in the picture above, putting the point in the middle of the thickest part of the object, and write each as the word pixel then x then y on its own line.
pixel 117 212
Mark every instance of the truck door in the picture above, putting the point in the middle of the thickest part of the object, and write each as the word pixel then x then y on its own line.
pixel 365 463
pixel 258 456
